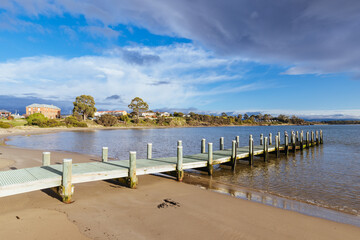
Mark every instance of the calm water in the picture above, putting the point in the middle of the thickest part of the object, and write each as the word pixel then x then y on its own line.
pixel 326 176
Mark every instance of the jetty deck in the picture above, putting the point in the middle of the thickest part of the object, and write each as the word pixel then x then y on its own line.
pixel 62 177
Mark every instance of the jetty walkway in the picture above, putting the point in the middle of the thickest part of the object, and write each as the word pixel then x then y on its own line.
pixel 63 177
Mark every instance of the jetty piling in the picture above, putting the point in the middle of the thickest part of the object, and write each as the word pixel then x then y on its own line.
pixel 46 158
pixel 210 167
pixel 270 138
pixel 203 148
pixel 251 150
pixel 237 139
pixel 105 152
pixel 307 140
pixel 277 146
pixel 293 141
pixel 149 150
pixel 302 140
pixel 286 144
pixel 312 138
pixel 179 164
pixel 132 178
pixel 279 136
pixel 66 189
pixel 266 149
pixel 261 139
pixel 317 138
pixel 222 143
pixel 321 137
pixel 233 155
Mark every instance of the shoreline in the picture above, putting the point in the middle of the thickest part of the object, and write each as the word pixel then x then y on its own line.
pixel 191 198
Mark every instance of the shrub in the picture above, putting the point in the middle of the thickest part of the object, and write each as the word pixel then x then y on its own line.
pixel 10 118
pixel 4 125
pixel 107 120
pixel 37 119
pixel 72 121
pixel 53 123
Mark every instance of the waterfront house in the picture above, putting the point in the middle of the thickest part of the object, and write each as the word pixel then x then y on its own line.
pixel 49 111
pixel 4 114
pixel 148 115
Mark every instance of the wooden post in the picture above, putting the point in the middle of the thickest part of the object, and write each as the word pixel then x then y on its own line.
pixel 210 159
pixel 279 134
pixel 321 137
pixel 265 149
pixel 105 151
pixel 132 179
pixel 233 155
pixel 261 139
pixel 293 141
pixel 149 150
pixel 277 146
pixel 222 143
pixel 312 138
pixel 251 150
pixel 66 189
pixel 179 143
pixel 307 140
pixel 270 138
pixel 317 138
pixel 302 140
pixel 179 164
pixel 286 144
pixel 237 141
pixel 297 136
pixel 46 158
pixel 203 145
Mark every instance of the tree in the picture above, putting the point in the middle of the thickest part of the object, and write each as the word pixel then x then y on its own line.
pixel 138 105
pixel 223 114
pixel 84 105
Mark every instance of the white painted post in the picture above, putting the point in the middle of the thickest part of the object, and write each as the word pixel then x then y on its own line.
pixel 149 150
pixel 203 145
pixel 179 143
pixel 286 144
pixel 46 158
pixel 307 139
pixel 277 145
pixel 237 141
pixel 279 134
pixel 302 140
pixel 105 154
pixel 265 149
pixel 132 178
pixel 66 188
pixel 270 138
pixel 321 137
pixel 317 137
pixel 251 150
pixel 312 138
pixel 222 143
pixel 179 164
pixel 210 159
pixel 233 155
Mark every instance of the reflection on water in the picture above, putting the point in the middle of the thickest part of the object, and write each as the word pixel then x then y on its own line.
pixel 273 200
pixel 327 175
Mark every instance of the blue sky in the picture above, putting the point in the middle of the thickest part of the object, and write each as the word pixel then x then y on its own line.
pixel 293 57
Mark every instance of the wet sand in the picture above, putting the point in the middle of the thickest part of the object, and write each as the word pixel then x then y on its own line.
pixel 160 208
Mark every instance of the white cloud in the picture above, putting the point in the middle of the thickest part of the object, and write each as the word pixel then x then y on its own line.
pixel 173 79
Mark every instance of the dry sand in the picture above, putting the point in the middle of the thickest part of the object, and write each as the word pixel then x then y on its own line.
pixel 107 210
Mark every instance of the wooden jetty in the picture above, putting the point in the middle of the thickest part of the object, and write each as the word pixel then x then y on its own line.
pixel 63 177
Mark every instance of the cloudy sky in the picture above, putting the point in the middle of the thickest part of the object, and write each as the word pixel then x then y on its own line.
pixel 283 56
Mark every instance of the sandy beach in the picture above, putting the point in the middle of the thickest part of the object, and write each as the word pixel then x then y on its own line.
pixel 160 208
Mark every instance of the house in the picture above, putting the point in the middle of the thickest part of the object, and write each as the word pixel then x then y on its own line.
pixel 113 113
pixel 4 114
pixel 148 115
pixel 49 111
pixel 163 114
